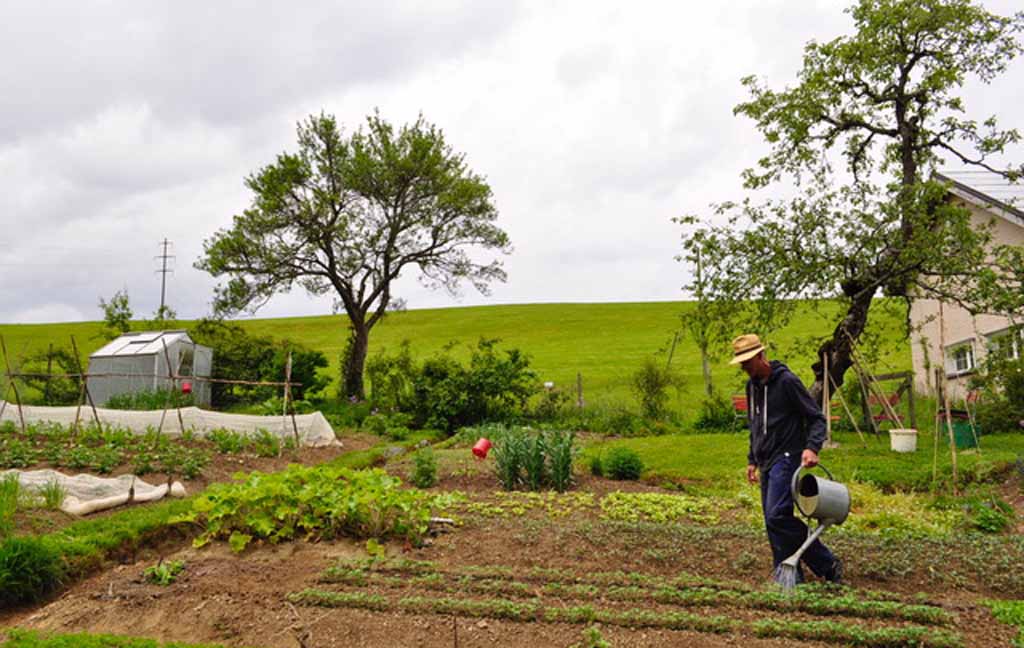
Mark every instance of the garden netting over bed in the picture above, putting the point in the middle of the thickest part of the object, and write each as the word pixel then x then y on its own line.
pixel 313 429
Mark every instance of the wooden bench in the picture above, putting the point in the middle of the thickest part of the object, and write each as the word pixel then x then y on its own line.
pixel 893 400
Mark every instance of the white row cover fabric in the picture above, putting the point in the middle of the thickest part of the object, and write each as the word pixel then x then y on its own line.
pixel 86 494
pixel 313 429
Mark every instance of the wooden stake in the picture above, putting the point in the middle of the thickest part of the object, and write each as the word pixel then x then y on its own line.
pixel 85 381
pixel 853 421
pixel 945 394
pixel 287 395
pixel 49 372
pixel 579 390
pixel 826 406
pixel 14 385
pixel 174 380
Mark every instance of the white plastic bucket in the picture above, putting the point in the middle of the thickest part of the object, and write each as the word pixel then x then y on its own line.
pixel 903 439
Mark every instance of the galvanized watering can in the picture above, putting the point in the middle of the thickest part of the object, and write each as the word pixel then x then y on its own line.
pixel 825 500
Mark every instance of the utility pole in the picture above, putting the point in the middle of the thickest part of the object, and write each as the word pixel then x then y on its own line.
pixel 164 257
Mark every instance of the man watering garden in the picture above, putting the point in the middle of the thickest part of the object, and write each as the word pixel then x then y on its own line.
pixel 787 430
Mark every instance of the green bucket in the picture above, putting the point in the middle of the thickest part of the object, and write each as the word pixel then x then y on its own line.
pixel 962 433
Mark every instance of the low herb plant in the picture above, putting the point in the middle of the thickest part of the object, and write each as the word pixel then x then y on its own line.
pixel 424 472
pixel 228 441
pixel 164 573
pixel 266 444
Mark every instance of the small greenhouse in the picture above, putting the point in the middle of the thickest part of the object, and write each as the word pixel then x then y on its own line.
pixel 138 362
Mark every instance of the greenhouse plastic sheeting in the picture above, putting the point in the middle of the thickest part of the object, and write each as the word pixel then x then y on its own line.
pixel 84 494
pixel 313 429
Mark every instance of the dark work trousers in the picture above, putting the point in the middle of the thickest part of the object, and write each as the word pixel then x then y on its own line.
pixel 785 532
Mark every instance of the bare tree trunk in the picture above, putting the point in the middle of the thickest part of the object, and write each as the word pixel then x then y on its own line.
pixel 355 360
pixel 706 367
pixel 839 349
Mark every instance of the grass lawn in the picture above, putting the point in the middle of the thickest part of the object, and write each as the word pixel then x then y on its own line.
pixel 716 462
pixel 605 343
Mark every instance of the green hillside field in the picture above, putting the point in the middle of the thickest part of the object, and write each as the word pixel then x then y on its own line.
pixel 604 342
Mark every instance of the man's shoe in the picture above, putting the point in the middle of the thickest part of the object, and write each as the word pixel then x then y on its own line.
pixel 835 575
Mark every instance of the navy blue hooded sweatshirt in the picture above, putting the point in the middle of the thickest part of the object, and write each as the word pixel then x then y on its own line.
pixel 794 421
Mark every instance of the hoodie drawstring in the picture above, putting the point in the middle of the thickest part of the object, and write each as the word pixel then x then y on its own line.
pixel 764 407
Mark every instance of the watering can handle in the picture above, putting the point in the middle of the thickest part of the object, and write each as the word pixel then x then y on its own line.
pixel 796 478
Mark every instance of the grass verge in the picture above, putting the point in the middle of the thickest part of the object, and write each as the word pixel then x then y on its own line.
pixel 30 639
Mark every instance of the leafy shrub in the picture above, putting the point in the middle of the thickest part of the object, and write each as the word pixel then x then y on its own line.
pixel 717 414
pixel 596 466
pixel 424 472
pixel 493 387
pixel 30 568
pixel 623 463
pixel 241 356
pixel 57 389
pixel 394 426
pixel 164 573
pixel 319 502
pixel 650 385
pixel 391 379
pixel 551 404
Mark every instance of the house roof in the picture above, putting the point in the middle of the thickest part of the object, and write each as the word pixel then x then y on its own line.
pixel 142 343
pixel 988 191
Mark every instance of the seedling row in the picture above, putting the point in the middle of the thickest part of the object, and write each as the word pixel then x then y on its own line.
pixel 685 589
pixel 523 611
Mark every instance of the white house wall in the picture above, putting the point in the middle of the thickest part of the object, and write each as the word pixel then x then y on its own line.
pixel 959 325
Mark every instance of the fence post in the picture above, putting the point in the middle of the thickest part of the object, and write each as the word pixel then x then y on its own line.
pixel 579 390
pixel 287 398
pixel 85 381
pixel 14 385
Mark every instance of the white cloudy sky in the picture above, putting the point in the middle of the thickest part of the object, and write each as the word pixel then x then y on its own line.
pixel 122 123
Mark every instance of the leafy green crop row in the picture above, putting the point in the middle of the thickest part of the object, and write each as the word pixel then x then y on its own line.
pixel 317 502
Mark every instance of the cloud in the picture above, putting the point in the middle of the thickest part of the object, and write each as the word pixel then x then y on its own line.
pixel 123 124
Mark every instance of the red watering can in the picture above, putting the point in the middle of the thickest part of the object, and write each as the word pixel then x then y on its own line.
pixel 481 448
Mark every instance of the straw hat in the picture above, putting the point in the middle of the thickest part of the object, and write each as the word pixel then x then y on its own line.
pixel 745 347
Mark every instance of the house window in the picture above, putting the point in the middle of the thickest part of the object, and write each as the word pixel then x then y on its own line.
pixel 960 359
pixel 1008 344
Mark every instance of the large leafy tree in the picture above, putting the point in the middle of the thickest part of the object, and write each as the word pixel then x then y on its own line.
pixel 348 215
pixel 859 136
